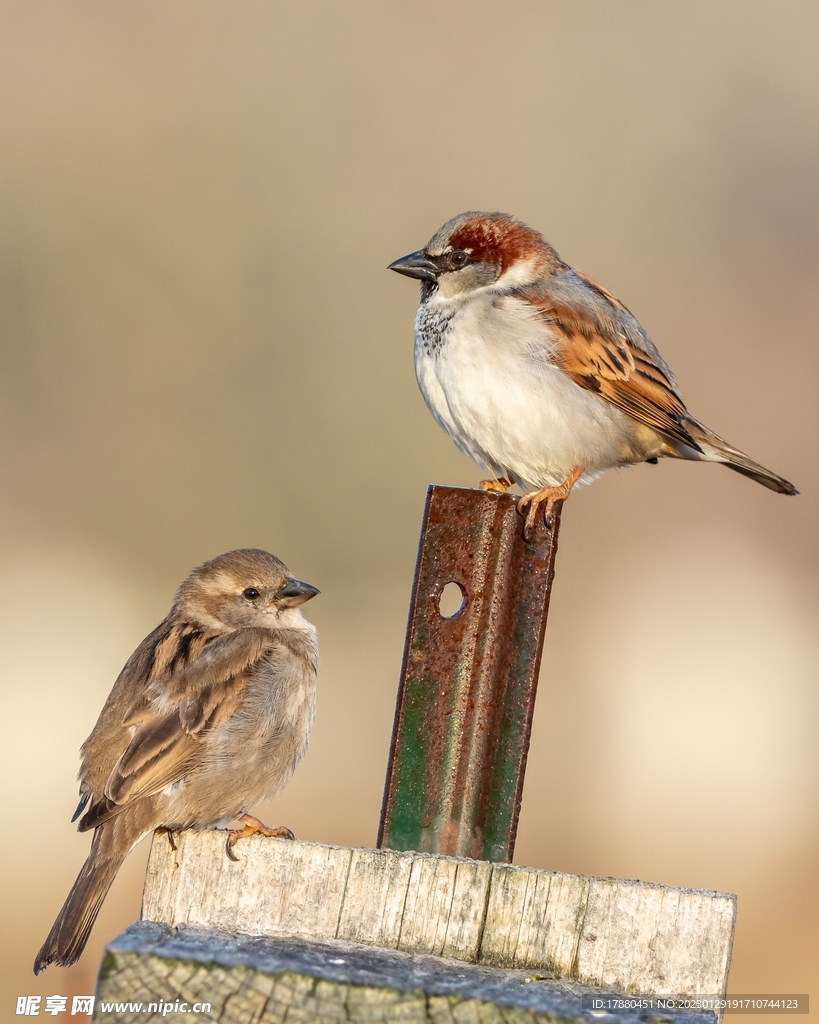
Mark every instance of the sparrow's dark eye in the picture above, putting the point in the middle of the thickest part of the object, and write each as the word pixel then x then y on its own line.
pixel 251 593
pixel 457 258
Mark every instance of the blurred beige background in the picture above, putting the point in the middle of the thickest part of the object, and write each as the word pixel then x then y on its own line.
pixel 201 349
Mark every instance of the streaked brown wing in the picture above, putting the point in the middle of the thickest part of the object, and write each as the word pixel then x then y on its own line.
pixel 601 357
pixel 187 697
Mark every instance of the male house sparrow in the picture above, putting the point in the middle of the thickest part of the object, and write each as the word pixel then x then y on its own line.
pixel 211 713
pixel 539 374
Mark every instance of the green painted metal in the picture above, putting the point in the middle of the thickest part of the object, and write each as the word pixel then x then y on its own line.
pixel 468 682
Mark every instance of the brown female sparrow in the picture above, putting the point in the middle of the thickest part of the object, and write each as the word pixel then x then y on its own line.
pixel 211 713
pixel 539 374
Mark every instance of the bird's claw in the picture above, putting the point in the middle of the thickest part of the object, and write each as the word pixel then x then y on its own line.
pixel 532 513
pixel 499 486
pixel 169 833
pixel 252 827
pixel 547 497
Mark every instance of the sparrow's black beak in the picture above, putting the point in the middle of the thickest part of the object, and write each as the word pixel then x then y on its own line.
pixel 416 265
pixel 295 592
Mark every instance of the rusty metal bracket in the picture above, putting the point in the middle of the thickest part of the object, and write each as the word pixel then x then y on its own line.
pixel 468 682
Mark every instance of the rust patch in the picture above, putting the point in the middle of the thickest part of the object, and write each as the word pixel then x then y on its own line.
pixel 467 691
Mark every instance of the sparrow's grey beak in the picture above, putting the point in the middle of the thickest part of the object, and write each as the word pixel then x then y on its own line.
pixel 416 265
pixel 295 592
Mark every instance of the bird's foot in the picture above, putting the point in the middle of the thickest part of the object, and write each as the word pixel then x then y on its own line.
pixel 169 833
pixel 501 485
pixel 253 827
pixel 546 498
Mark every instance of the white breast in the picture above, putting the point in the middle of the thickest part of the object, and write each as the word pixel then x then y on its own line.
pixel 484 368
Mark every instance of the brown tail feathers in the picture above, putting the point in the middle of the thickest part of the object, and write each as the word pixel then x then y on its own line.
pixel 715 449
pixel 70 931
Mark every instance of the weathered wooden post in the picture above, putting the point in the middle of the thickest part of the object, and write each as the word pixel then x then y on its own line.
pixel 436 924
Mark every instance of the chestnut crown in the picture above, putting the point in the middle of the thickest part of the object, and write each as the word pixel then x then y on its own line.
pixel 475 250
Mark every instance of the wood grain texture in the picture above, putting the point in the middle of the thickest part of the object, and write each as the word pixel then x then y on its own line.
pixel 275 888
pixel 239 995
pixel 252 980
pixel 626 936
pixel 534 918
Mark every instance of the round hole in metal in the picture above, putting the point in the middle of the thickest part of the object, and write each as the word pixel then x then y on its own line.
pixel 452 600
